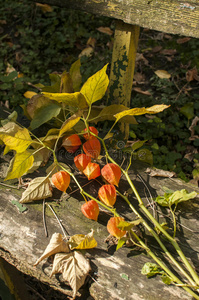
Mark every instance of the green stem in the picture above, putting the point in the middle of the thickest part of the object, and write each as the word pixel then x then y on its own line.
pixel 174 220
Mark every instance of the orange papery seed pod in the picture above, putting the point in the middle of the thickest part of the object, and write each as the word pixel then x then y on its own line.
pixel 61 180
pixel 89 136
pixel 92 147
pixel 81 161
pixel 107 194
pixel 113 229
pixel 91 210
pixel 111 173
pixel 71 143
pixel 92 171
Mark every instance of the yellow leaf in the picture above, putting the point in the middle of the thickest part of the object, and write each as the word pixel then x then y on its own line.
pixel 162 74
pixel 66 83
pixel 141 111
pixel 45 7
pixel 86 52
pixel 95 87
pixel 29 94
pixel 73 99
pixel 19 142
pixel 81 241
pixel 69 123
pixel 20 165
pixel 35 103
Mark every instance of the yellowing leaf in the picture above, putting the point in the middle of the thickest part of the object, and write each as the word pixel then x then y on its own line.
pixel 66 83
pixel 19 142
pixel 72 99
pixel 29 94
pixel 141 111
pixel 105 30
pixel 86 52
pixel 81 241
pixel 76 75
pixel 39 188
pixel 20 165
pixel 95 87
pixel 35 103
pixel 45 7
pixel 57 244
pixel 74 268
pixel 69 123
pixel 162 74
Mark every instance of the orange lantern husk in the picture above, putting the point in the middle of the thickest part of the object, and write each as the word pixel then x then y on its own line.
pixel 61 180
pixel 89 136
pixel 90 210
pixel 107 194
pixel 81 161
pixel 92 148
pixel 111 173
pixel 113 229
pixel 71 143
pixel 92 171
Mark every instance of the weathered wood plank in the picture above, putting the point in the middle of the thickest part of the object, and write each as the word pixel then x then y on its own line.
pixel 171 16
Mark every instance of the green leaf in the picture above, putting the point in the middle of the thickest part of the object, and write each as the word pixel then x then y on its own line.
pixel 151 269
pixel 108 112
pixel 35 103
pixel 145 155
pixel 95 87
pixel 20 207
pixel 137 145
pixel 11 118
pixel 55 84
pixel 45 114
pixel 73 99
pixel 20 165
pixel 181 196
pixel 124 225
pixel 19 142
pixel 188 110
pixel 120 243
pixel 166 279
pixel 163 200
pixel 76 75
pixel 141 111
pixel 69 123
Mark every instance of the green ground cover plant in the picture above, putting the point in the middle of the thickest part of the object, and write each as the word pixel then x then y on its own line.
pixel 36 41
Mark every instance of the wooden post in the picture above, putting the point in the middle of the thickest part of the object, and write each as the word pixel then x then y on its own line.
pixel 123 65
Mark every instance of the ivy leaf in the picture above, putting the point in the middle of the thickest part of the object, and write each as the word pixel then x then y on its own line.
pixel 151 269
pixel 39 188
pixel 95 87
pixel 57 244
pixel 81 241
pixel 74 268
pixel 69 123
pixel 76 99
pixel 19 142
pixel 21 163
pixel 45 114
pixel 141 111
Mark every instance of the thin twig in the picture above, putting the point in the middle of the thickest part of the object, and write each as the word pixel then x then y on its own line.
pixel 60 224
pixel 10 186
pixel 38 294
pixel 44 219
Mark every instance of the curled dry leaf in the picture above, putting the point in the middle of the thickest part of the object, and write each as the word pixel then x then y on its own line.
pixel 81 241
pixel 38 188
pixel 74 268
pixel 163 74
pixel 160 173
pixel 56 245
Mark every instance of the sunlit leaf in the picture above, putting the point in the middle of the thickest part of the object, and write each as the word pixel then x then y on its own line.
pixel 150 269
pixel 39 188
pixel 120 243
pixel 69 123
pixel 66 83
pixel 20 165
pixel 95 87
pixel 74 268
pixel 73 99
pixel 57 244
pixel 44 114
pixel 29 94
pixel 76 75
pixel 162 74
pixel 141 111
pixel 174 198
pixel 19 142
pixel 124 225
pixel 81 241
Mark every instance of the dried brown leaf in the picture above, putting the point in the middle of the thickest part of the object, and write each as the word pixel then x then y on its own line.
pixel 56 245
pixel 105 30
pixel 74 268
pixel 138 90
pixel 160 173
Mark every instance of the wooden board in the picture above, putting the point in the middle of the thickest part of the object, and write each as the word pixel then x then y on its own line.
pixel 117 274
pixel 171 16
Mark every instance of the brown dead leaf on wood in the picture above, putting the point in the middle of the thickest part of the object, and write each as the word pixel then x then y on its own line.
pixel 56 245
pixel 160 173
pixel 74 268
pixel 168 51
pixel 183 40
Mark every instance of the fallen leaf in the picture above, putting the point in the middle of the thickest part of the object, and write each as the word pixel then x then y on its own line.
pixel 91 42
pixel 162 74
pixel 183 40
pixel 138 90
pixel 38 188
pixel 160 173
pixel 168 51
pixel 74 268
pixel 81 241
pixel 45 7
pixel 29 94
pixel 192 75
pixel 86 52
pixel 105 30
pixel 56 245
